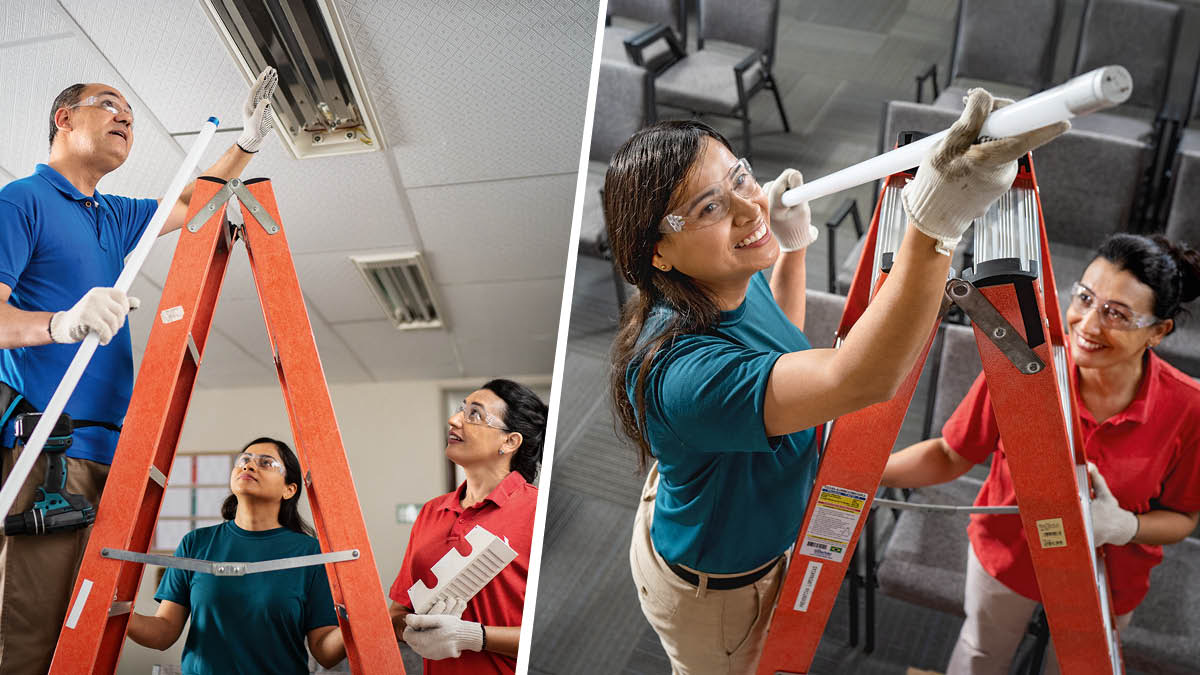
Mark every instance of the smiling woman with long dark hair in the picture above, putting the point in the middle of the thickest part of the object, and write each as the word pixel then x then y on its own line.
pixel 714 381
pixel 496 437
pixel 256 623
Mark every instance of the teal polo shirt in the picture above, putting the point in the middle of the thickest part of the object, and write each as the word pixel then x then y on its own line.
pixel 730 498
pixel 255 623
pixel 55 245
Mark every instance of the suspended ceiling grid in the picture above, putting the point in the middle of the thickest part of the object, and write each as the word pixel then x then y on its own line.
pixel 482 107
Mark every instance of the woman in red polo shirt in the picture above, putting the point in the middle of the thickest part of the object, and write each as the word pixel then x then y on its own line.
pixel 1141 430
pixel 496 437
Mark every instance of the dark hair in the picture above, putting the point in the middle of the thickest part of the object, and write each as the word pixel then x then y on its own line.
pixel 639 189
pixel 525 414
pixel 66 97
pixel 289 510
pixel 1171 270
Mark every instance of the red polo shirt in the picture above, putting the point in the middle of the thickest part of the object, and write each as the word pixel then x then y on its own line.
pixel 1148 453
pixel 443 524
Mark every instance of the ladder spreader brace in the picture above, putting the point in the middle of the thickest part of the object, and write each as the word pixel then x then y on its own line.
pixel 1011 298
pixel 220 213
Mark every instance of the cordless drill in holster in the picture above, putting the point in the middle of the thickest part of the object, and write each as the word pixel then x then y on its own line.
pixel 54 508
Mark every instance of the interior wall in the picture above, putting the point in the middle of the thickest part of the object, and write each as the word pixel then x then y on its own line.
pixel 394 434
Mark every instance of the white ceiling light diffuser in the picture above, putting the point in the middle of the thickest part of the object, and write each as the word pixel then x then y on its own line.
pixel 321 102
pixel 403 288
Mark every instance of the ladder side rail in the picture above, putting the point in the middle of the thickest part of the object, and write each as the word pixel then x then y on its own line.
pixel 90 640
pixel 366 623
pixel 1042 465
pixel 1058 337
pixel 852 463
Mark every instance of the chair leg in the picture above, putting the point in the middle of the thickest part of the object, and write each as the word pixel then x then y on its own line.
pixel 787 128
pixel 854 582
pixel 746 133
pixel 869 583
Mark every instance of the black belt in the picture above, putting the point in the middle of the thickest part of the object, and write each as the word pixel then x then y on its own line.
pixel 723 583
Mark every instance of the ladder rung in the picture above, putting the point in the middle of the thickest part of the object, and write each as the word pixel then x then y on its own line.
pixel 158 476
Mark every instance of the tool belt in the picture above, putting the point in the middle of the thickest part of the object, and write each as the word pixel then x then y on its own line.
pixel 13 403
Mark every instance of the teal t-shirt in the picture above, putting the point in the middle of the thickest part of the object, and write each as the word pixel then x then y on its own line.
pixel 729 498
pixel 255 623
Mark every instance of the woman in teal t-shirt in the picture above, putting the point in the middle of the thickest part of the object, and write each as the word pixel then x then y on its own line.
pixel 255 623
pixel 714 380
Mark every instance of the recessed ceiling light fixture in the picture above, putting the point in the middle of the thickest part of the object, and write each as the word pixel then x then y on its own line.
pixel 403 288
pixel 321 101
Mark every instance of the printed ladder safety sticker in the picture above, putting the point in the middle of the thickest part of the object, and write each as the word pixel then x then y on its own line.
pixel 834 520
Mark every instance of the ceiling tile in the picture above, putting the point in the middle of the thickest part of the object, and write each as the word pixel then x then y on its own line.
pixel 335 288
pixel 476 89
pixel 496 230
pixel 242 322
pixel 340 364
pixel 227 365
pixel 191 74
pixel 511 311
pixel 393 354
pixel 20 21
pixel 485 358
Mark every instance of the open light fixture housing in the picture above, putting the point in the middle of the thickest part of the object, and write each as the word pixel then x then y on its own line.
pixel 401 284
pixel 321 102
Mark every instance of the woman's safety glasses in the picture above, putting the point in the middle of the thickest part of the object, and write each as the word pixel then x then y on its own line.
pixel 473 413
pixel 264 462
pixel 712 204
pixel 1114 315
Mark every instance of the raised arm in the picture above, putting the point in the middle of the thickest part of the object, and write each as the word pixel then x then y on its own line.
pixel 161 630
pixel 257 122
pixel 792 226
pixel 954 185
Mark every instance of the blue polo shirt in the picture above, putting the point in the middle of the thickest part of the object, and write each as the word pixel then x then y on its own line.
pixel 56 244
pixel 255 623
pixel 730 498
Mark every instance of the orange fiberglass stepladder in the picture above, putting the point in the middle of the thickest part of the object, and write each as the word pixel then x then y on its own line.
pixel 1010 297
pixel 98 616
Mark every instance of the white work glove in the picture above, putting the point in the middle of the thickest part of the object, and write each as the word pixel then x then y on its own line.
pixel 257 119
pixel 101 311
pixel 958 179
pixel 437 636
pixel 1111 524
pixel 451 606
pixel 791 225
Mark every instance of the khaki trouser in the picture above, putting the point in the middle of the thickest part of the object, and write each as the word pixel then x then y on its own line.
pixel 997 619
pixel 703 631
pixel 37 573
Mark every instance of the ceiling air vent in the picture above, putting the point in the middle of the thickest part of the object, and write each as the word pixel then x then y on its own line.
pixel 402 286
pixel 321 102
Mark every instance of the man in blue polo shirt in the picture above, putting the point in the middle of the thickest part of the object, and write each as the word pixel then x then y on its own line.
pixel 62 247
